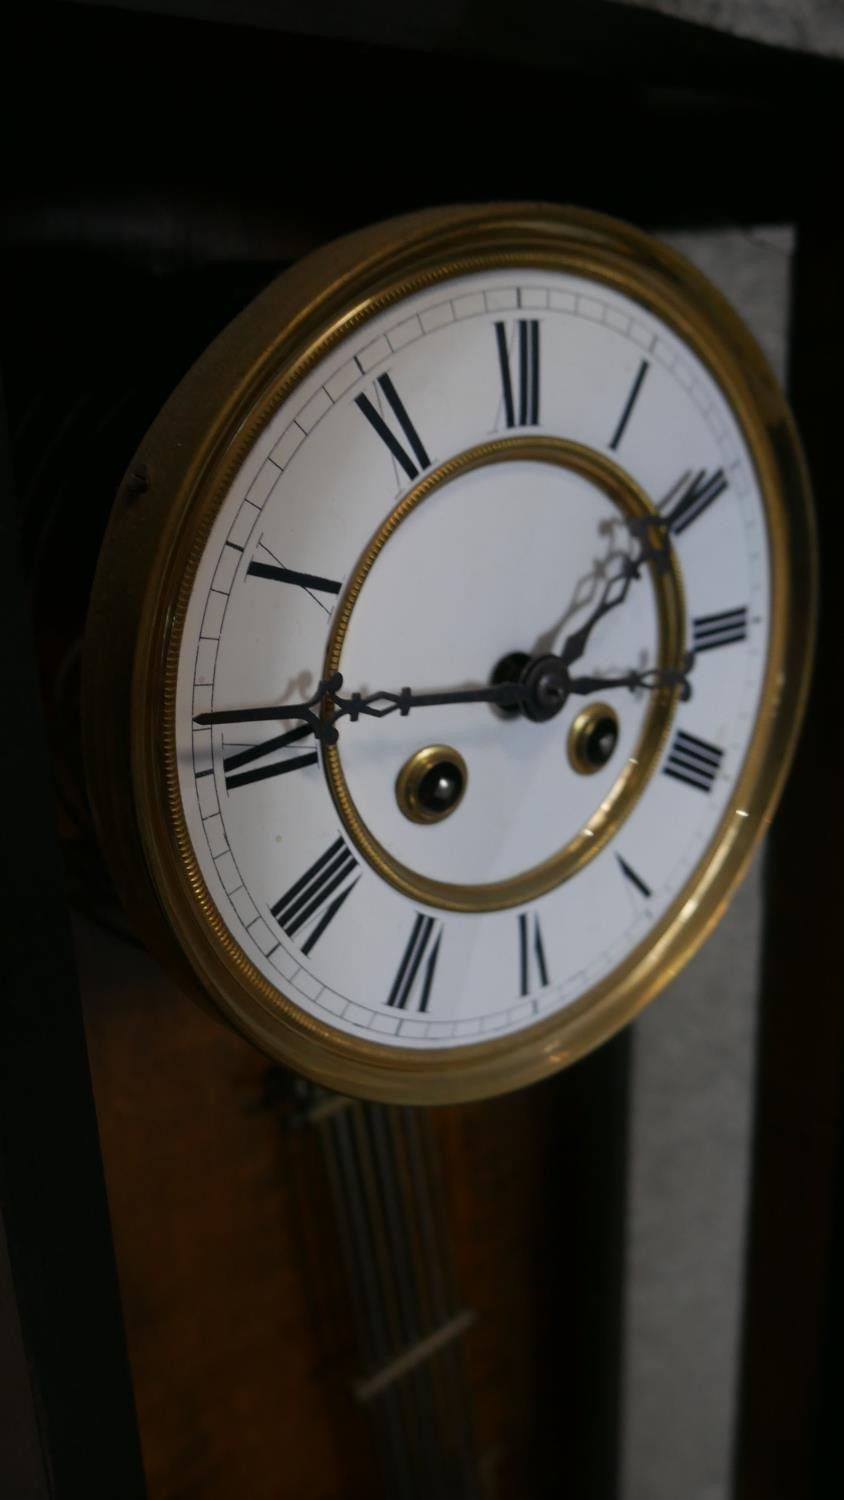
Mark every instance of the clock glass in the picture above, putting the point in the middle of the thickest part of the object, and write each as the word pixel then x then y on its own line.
pixel 470 702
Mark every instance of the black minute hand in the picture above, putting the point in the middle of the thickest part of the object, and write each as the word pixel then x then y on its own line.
pixel 373 705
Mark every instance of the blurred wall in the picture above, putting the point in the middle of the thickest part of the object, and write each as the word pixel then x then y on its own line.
pixel 806 25
pixel 692 1104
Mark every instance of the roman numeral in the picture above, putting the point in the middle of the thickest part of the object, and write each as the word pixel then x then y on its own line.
pixel 410 464
pixel 419 960
pixel 311 898
pixel 630 874
pixel 520 388
pixel 533 970
pixel 232 763
pixel 629 404
pixel 693 761
pixel 310 581
pixel 709 631
pixel 695 496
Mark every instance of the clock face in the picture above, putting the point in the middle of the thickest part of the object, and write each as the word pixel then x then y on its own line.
pixel 479 922
pixel 474 641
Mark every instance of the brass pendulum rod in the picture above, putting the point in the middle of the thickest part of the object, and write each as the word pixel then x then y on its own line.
pixel 388 1205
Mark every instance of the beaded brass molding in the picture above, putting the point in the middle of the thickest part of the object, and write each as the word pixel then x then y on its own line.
pixel 631 781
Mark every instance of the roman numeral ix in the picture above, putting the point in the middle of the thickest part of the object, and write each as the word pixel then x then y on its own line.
pixel 232 763
pixel 312 897
pixel 411 461
pixel 693 761
pixel 709 631
pixel 533 970
pixel 520 386
pixel 419 960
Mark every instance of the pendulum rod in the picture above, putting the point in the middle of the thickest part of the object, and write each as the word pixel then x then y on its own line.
pixel 387 1196
pixel 337 1137
pixel 433 1246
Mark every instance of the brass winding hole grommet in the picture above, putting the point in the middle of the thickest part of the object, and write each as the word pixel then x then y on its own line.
pixel 431 784
pixel 592 738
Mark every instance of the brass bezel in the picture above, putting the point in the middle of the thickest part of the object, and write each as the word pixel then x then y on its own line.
pixel 151 552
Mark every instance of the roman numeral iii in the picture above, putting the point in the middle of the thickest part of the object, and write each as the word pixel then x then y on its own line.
pixel 709 631
pixel 312 899
pixel 415 976
pixel 519 378
pixel 533 970
pixel 411 461
pixel 694 761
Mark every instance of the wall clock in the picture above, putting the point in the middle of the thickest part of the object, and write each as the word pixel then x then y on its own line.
pixel 448 647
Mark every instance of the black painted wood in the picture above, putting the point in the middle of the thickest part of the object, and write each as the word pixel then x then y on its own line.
pixel 65 1351
pixel 232 128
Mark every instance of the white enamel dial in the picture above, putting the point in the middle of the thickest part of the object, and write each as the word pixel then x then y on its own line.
pixel 504 557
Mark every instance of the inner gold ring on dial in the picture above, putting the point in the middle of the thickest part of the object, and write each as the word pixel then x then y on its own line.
pixel 608 816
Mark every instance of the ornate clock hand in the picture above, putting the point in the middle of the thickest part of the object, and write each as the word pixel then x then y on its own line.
pixel 652 679
pixel 549 684
pixel 279 711
pixel 373 705
pixel 653 546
